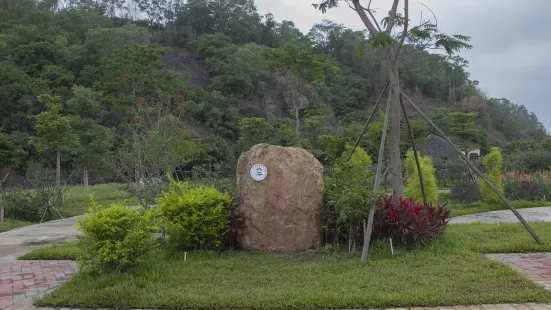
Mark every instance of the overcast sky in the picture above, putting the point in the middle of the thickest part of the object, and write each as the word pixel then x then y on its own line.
pixel 512 40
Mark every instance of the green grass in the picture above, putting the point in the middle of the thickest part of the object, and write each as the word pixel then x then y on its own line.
pixel 461 208
pixel 77 198
pixel 11 224
pixel 448 271
pixel 66 251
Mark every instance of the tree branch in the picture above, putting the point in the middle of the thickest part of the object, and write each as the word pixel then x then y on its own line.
pixel 365 19
pixel 405 32
pixel 392 16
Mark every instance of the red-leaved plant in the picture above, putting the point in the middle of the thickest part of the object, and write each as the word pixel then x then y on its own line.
pixel 407 222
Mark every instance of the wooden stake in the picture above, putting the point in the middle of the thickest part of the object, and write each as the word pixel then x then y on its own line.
pixel 414 152
pixel 367 122
pixel 492 186
pixel 369 229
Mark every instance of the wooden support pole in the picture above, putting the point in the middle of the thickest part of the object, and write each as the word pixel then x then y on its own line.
pixel 480 174
pixel 368 230
pixel 367 122
pixel 414 152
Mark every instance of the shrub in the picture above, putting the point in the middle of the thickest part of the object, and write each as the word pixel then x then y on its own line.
pixel 467 191
pixel 348 188
pixel 34 203
pixel 195 218
pixel 525 186
pixel 492 163
pixel 450 172
pixel 408 223
pixel 413 188
pixel 114 238
pixel 528 161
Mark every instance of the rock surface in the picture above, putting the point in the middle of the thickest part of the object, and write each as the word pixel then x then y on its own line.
pixel 279 211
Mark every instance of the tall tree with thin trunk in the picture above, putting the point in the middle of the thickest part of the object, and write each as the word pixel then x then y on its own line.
pixel 54 134
pixel 298 68
pixel 387 36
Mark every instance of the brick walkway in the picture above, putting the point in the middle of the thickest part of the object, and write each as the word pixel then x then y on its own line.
pixel 534 266
pixel 23 279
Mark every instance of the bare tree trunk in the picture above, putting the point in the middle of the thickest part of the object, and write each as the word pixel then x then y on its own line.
pixel 395 113
pixel 58 177
pixel 297 127
pixel 85 175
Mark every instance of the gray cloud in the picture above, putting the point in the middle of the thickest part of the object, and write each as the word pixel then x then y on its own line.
pixel 511 40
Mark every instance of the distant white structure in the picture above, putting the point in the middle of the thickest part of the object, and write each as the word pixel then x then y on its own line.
pixel 473 155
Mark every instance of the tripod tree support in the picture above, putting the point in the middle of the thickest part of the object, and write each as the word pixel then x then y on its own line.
pixel 478 172
pixel 369 228
pixel 367 122
pixel 414 152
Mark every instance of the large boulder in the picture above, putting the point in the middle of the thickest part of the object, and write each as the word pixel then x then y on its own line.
pixel 280 210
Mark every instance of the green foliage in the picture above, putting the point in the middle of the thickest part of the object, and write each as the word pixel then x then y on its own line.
pixel 114 238
pixel 528 161
pixel 546 144
pixel 54 131
pixel 348 195
pixel 254 131
pixel 413 188
pixel 493 165
pixel 10 153
pixel 303 66
pixel 84 102
pixel 195 218
pixel 461 127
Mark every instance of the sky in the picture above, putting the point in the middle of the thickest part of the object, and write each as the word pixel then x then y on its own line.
pixel 511 40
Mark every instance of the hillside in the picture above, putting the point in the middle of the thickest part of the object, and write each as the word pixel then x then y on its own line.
pixel 206 75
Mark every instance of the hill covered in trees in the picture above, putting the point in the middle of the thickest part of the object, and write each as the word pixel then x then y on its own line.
pixel 115 86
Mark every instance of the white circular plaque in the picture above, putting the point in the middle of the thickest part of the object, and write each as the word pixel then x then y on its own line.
pixel 259 172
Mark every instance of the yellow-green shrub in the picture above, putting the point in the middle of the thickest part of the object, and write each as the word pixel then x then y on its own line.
pixel 194 218
pixel 114 238
pixel 493 163
pixel 413 188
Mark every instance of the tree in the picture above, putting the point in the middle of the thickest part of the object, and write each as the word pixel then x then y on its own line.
pixel 54 134
pixel 546 144
pixel 493 164
pixel 298 68
pixel 253 131
pixel 413 188
pixel 422 36
pixel 95 142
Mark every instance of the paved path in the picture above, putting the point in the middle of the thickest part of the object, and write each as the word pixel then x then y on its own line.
pixel 16 242
pixel 541 214
pixel 534 266
pixel 20 280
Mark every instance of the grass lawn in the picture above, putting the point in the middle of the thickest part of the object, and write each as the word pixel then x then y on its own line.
pixel 449 271
pixel 461 208
pixel 11 224
pixel 77 198
pixel 67 251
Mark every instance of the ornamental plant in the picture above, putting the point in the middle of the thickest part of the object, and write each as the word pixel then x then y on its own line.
pixel 527 186
pixel 413 188
pixel 114 238
pixel 493 164
pixel 194 218
pixel 407 222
